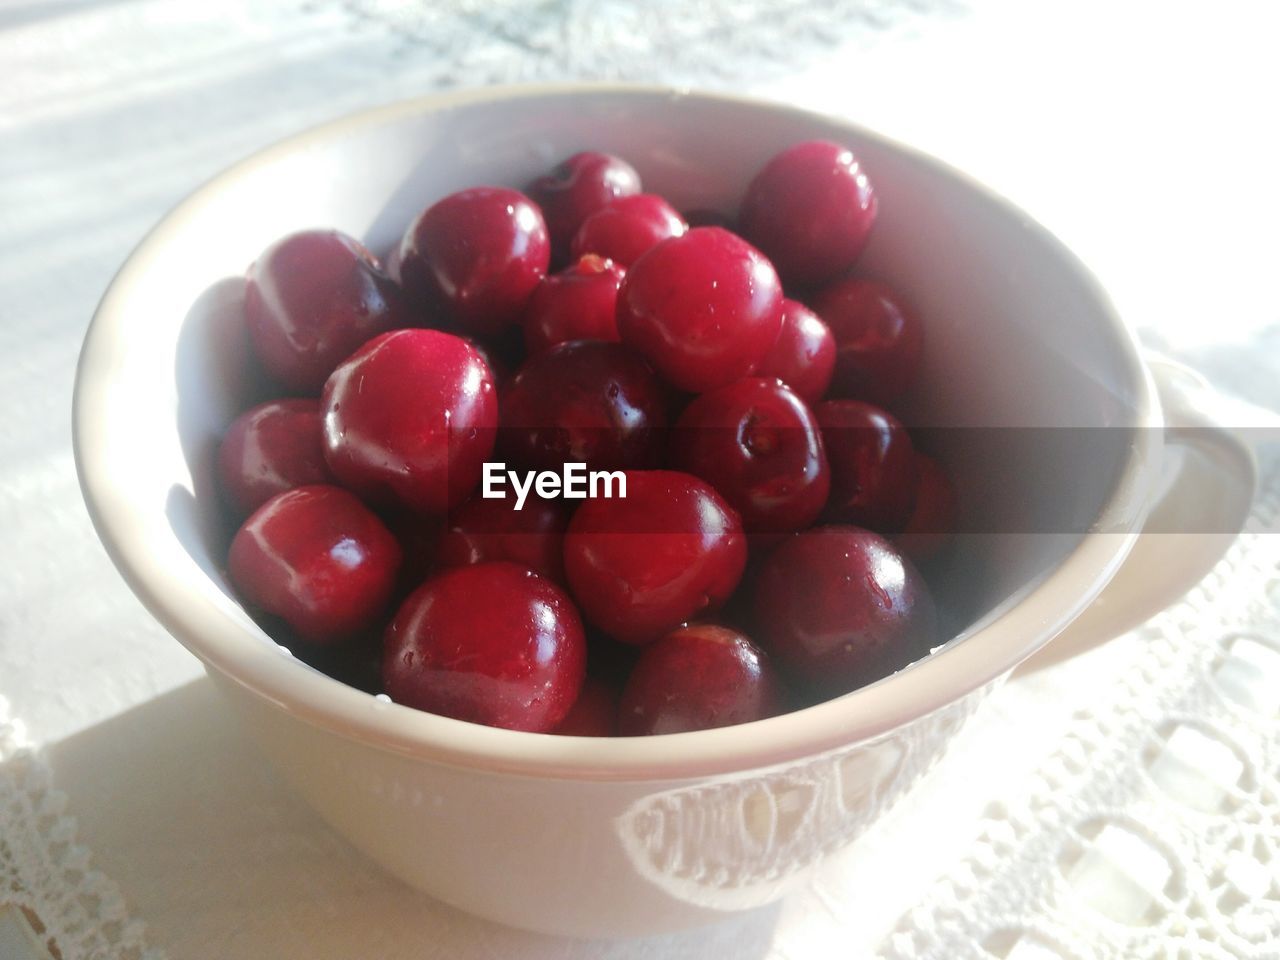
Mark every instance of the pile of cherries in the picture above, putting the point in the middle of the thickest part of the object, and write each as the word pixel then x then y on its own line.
pixel 764 554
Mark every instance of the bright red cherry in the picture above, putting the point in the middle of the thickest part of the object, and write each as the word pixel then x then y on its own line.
pixel 873 465
pixel 485 529
pixel 476 256
pixel 804 357
pixel 810 210
pixel 839 607
pixel 311 300
pixel 672 549
pixel 627 228
pixel 579 303
pixel 317 558
pixel 704 308
pixel 594 713
pixel 756 442
pixel 584 402
pixel 878 340
pixel 492 643
pixel 695 678
pixel 929 529
pixel 578 187
pixel 272 448
pixel 410 418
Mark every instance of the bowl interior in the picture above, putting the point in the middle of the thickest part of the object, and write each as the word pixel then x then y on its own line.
pixel 1022 363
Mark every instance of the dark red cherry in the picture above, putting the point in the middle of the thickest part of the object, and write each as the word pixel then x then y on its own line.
pixel 695 678
pixel 492 643
pixel 476 256
pixel 584 402
pixel 810 209
pixel 627 228
pixel 929 528
pixel 578 187
pixel 579 303
pixel 704 308
pixel 594 713
pixel 272 448
pixel 839 607
pixel 804 357
pixel 878 340
pixel 642 564
pixel 486 529
pixel 873 465
pixel 317 558
pixel 410 418
pixel 756 442
pixel 313 298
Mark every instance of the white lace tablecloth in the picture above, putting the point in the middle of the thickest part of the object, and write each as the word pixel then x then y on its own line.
pixel 1124 805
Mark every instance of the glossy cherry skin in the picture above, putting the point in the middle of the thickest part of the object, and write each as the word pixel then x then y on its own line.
pixel 933 518
pixel 594 713
pixel 492 643
pixel 487 529
pixel 671 550
pixel 698 677
pixel 312 298
pixel 317 558
pixel 704 308
pixel 757 443
pixel 873 465
pixel 410 418
pixel 627 228
pixel 839 607
pixel 476 256
pixel 878 340
pixel 585 402
pixel 579 303
pixel 804 356
pixel 810 209
pixel 269 449
pixel 578 187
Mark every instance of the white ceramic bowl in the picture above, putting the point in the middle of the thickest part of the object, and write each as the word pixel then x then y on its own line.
pixel 620 837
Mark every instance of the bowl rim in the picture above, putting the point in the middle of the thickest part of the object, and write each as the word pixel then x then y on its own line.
pixel 239 654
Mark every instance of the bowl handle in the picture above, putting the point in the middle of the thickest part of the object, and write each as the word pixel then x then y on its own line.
pixel 1210 477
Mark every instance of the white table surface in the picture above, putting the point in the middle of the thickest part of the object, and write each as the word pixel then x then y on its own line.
pixel 1143 133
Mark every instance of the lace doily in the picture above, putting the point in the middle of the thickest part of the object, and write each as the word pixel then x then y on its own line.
pixel 44 872
pixel 1153 830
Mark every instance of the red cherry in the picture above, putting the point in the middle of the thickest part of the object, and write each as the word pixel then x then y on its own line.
pixel 584 402
pixel 476 256
pixel 695 678
pixel 627 228
pixel 929 529
pixel 311 299
pixel 804 357
pixel 578 304
pixel 839 607
pixel 878 340
pixel 410 418
pixel 672 549
pixel 757 443
pixel 704 308
pixel 317 558
pixel 579 187
pixel 873 465
pixel 594 713
pixel 272 448
pixel 810 210
pixel 485 529
pixel 492 643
